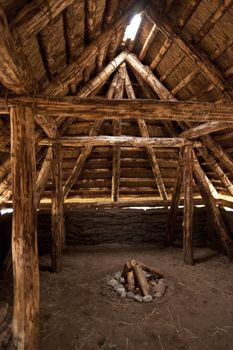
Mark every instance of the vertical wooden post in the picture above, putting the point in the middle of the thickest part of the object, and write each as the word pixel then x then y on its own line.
pixel 188 205
pixel 169 234
pixel 57 218
pixel 24 230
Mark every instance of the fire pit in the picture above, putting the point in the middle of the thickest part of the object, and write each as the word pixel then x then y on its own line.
pixel 139 282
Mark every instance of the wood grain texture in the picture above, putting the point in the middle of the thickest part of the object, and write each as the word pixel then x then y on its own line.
pixel 24 230
pixel 15 73
pixel 188 205
pixel 170 227
pixel 57 220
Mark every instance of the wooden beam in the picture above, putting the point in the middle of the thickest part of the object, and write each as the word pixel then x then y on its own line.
pixel 169 233
pixel 57 216
pixel 198 59
pixel 43 175
pixel 207 140
pixel 187 13
pixel 48 124
pixel 214 18
pixel 117 127
pixel 219 153
pixel 73 107
pixel 148 42
pixel 123 141
pixel 91 18
pixel 211 162
pixel 204 129
pixel 74 69
pixel 116 163
pixel 148 76
pixel 24 230
pixel 15 73
pixel 88 149
pixel 81 161
pixel 33 17
pixel 103 76
pixel 213 210
pixel 115 43
pixel 184 82
pixel 188 205
pixel 207 191
pixel 211 159
pixel 162 51
pixel 151 203
pixel 144 133
pixel 151 94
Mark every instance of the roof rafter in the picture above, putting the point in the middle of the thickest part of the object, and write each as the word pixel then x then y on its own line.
pixel 14 70
pixel 74 69
pixel 204 129
pixel 33 17
pixel 208 69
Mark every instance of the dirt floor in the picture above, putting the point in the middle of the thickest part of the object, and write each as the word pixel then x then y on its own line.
pixel 80 311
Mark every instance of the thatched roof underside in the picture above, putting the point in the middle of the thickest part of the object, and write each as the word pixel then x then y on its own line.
pixel 50 35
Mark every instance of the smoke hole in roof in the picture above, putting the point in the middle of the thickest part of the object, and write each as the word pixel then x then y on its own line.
pixel 132 28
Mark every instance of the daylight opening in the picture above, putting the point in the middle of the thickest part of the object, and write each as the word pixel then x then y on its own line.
pixel 132 28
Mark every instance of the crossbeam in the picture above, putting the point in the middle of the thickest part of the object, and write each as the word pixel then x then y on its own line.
pixel 126 141
pixel 123 108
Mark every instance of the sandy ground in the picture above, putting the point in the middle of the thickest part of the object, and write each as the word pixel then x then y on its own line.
pixel 79 311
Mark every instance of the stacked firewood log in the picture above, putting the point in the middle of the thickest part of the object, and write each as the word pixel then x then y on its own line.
pixel 138 281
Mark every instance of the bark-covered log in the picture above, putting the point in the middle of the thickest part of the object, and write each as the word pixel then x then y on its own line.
pixel 140 278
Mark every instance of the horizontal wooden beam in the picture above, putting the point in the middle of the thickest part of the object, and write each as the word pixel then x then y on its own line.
pixel 121 204
pixel 120 141
pixel 125 109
